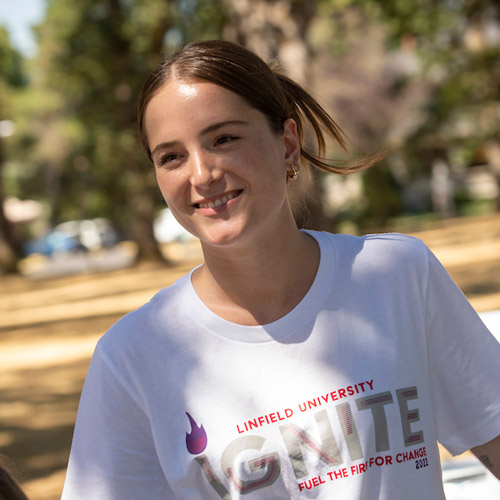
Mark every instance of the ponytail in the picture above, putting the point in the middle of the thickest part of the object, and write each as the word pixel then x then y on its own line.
pixel 304 108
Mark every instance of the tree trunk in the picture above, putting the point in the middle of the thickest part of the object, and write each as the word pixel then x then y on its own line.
pixel 9 253
pixel 10 247
pixel 140 189
pixel 141 196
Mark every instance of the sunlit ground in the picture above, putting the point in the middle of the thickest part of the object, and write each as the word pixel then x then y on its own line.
pixel 48 330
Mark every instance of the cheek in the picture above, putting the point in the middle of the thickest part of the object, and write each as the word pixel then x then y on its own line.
pixel 168 183
pixel 161 182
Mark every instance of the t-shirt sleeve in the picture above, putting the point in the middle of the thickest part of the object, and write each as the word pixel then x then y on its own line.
pixel 464 364
pixel 113 454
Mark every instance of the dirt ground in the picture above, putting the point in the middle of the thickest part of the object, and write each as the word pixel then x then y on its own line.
pixel 48 330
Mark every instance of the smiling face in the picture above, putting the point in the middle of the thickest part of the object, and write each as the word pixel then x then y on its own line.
pixel 219 166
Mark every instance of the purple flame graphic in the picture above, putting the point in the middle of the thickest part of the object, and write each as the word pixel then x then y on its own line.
pixel 196 441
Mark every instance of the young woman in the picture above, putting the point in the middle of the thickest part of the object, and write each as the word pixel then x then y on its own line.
pixel 291 363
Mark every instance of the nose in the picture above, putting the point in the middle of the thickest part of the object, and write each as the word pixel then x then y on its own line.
pixel 203 170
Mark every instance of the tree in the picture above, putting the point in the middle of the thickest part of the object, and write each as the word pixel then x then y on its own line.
pixel 96 54
pixel 11 77
pixel 459 46
pixel 418 78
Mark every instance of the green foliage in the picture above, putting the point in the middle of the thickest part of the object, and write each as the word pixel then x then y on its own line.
pixel 95 54
pixel 75 145
pixel 11 64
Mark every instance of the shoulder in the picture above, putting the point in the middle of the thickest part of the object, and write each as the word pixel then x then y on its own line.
pixel 395 245
pixel 131 351
pixel 141 326
pixel 394 253
pixel 389 256
pixel 377 248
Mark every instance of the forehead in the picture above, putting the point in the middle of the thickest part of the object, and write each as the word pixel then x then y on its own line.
pixel 178 93
pixel 201 95
pixel 190 105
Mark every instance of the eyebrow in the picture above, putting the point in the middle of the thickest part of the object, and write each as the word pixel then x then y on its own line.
pixel 207 130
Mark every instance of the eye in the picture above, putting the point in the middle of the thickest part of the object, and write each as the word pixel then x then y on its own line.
pixel 167 158
pixel 225 139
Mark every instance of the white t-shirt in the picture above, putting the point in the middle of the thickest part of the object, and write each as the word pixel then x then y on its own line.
pixel 344 397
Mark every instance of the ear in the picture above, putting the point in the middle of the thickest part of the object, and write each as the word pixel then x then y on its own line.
pixel 291 141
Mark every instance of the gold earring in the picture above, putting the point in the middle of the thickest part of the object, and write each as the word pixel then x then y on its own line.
pixel 295 171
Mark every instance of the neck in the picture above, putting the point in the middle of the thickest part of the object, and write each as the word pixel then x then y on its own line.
pixel 260 284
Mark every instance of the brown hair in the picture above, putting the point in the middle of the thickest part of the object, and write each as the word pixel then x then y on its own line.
pixel 264 87
pixel 9 489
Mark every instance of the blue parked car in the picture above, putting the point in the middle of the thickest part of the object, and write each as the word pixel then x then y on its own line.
pixel 73 236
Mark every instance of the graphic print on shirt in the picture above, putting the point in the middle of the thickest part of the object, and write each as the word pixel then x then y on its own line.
pixel 196 440
pixel 298 441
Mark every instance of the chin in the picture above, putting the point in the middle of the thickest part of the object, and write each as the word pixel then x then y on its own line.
pixel 222 239
pixel 219 242
pixel 221 235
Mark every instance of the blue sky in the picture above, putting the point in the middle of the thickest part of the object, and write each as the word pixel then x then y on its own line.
pixel 18 16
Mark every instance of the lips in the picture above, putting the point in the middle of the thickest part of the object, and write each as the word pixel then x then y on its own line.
pixel 217 202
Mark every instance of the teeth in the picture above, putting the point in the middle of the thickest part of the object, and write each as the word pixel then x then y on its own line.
pixel 218 202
